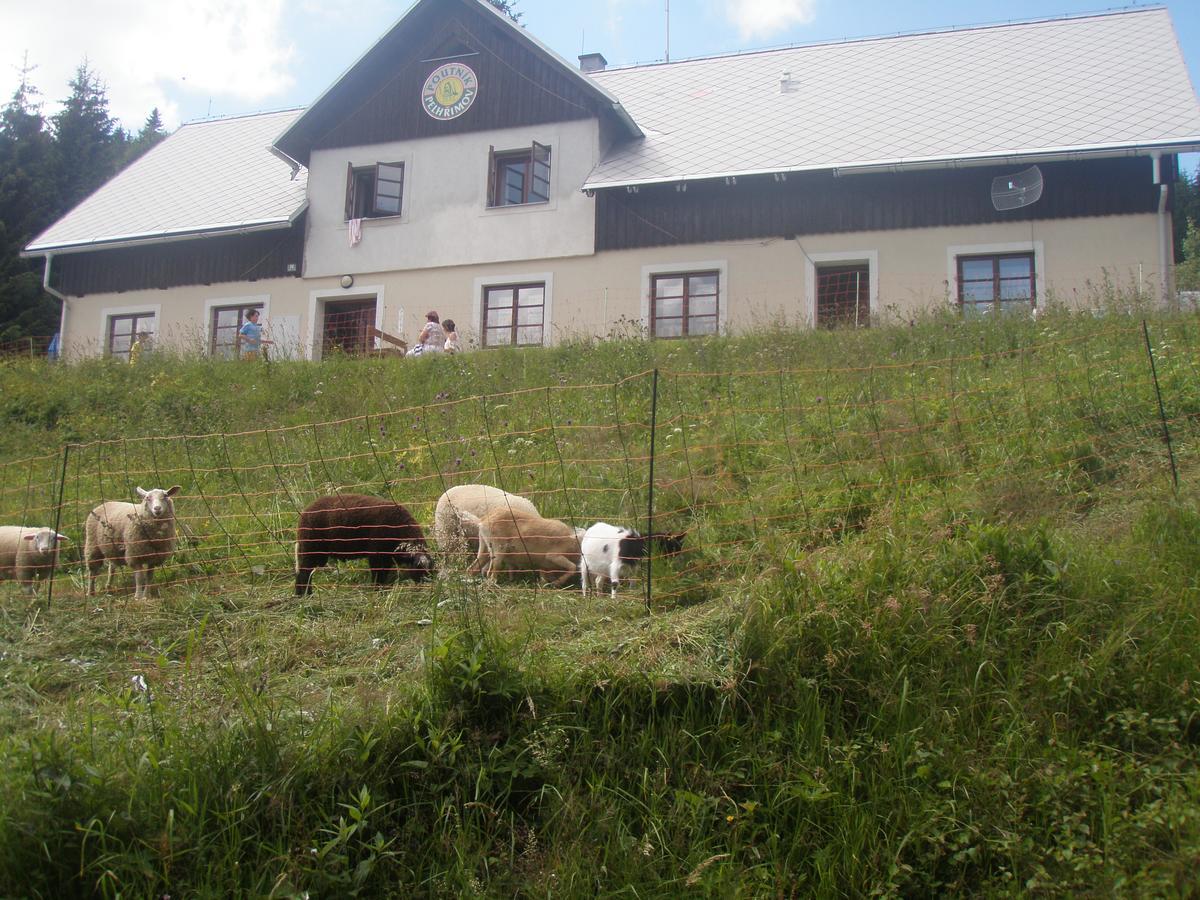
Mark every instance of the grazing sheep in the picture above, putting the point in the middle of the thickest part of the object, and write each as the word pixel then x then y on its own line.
pixel 453 531
pixel 26 553
pixel 138 535
pixel 522 543
pixel 359 526
pixel 609 552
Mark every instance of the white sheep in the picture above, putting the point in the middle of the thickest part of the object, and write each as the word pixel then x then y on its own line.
pixel 139 535
pixel 455 532
pixel 26 553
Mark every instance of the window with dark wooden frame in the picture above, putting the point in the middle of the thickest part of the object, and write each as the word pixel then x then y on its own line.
pixel 514 315
pixel 844 295
pixel 123 329
pixel 517 177
pixel 226 324
pixel 996 282
pixel 373 192
pixel 685 305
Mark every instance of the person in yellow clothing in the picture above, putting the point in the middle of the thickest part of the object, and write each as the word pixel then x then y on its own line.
pixel 138 346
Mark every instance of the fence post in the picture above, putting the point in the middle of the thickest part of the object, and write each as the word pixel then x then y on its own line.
pixel 62 481
pixel 1162 415
pixel 650 492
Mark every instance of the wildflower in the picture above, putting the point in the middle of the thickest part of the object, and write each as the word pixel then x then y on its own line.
pixel 892 604
pixel 729 818
pixel 139 684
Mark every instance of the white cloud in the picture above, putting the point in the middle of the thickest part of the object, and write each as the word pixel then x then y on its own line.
pixel 763 18
pixel 166 53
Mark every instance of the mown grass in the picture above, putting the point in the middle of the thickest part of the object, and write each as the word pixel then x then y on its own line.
pixel 936 630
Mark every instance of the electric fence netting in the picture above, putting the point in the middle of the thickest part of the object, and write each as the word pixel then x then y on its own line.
pixel 759 468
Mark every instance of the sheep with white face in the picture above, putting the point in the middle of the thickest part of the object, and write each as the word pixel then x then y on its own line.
pixel 28 553
pixel 138 535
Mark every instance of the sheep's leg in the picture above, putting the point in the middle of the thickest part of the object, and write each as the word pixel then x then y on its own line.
pixel 483 559
pixel 110 568
pixel 27 587
pixel 614 576
pixel 584 575
pixel 138 583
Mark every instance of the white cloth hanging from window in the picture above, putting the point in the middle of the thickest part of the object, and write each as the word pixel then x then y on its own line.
pixel 355 231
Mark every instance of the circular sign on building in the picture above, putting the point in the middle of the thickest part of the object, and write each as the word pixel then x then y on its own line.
pixel 449 91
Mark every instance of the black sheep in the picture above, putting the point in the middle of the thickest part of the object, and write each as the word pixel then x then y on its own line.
pixel 359 526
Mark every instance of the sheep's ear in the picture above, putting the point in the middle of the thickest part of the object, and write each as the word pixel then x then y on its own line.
pixel 173 490
pixel 61 537
pixel 143 493
pixel 28 537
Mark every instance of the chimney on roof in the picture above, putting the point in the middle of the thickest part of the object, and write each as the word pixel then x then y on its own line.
pixel 592 62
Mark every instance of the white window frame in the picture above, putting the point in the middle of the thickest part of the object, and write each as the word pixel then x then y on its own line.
pixel 842 257
pixel 316 310
pixel 691 267
pixel 224 302
pixel 1037 248
pixel 486 281
pixel 142 309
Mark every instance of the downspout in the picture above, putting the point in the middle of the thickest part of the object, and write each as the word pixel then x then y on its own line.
pixel 1166 249
pixel 53 292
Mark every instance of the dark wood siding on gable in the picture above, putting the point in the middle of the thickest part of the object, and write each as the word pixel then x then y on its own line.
pixel 818 203
pixel 245 257
pixel 515 87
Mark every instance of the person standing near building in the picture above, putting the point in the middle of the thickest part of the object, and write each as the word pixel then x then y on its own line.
pixel 250 339
pixel 140 343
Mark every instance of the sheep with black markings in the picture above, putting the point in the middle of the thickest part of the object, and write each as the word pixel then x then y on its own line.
pixel 609 552
pixel 360 526
pixel 138 535
pixel 28 553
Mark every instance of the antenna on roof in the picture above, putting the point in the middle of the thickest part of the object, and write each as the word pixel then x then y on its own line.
pixel 1016 191
pixel 668 5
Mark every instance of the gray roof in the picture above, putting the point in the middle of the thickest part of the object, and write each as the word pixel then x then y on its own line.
pixel 1101 82
pixel 208 177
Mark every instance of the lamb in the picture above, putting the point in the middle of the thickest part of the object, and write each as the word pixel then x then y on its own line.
pixel 518 542
pixel 609 552
pixel 453 531
pixel 359 526
pixel 26 553
pixel 139 535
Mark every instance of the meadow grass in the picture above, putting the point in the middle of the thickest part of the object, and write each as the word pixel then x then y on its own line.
pixel 936 629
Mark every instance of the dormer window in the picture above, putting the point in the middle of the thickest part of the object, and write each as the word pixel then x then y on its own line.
pixel 517 177
pixel 373 192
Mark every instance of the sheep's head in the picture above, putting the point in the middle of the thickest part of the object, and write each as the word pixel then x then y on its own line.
pixel 156 502
pixel 670 543
pixel 414 561
pixel 45 539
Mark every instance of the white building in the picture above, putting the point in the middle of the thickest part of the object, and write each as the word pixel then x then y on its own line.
pixel 462 166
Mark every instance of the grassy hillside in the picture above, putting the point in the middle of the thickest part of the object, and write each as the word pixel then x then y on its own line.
pixel 936 629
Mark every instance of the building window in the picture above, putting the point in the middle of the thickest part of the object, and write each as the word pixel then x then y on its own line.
pixel 999 282
pixel 844 295
pixel 374 191
pixel 122 330
pixel 684 305
pixel 517 177
pixel 514 315
pixel 226 322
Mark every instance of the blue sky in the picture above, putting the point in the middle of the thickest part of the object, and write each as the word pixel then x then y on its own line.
pixel 193 58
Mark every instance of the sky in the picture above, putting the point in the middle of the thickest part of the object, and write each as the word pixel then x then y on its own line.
pixel 196 58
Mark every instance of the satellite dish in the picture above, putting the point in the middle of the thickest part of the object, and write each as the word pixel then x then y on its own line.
pixel 1016 191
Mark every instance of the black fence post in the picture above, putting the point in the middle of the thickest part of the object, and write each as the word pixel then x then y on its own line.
pixel 650 492
pixel 1162 415
pixel 62 481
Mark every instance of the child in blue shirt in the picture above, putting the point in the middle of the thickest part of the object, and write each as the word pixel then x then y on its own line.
pixel 250 336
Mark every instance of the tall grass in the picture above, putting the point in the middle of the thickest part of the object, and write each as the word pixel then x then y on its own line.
pixel 937 632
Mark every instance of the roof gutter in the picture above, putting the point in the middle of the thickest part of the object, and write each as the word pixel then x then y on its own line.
pixel 930 163
pixel 291 163
pixel 173 237
pixel 1166 244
